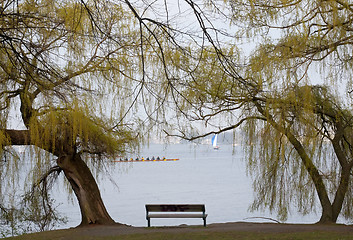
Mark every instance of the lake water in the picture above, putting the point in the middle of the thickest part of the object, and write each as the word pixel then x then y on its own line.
pixel 216 178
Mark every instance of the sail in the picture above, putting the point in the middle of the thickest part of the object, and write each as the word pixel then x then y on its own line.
pixel 214 141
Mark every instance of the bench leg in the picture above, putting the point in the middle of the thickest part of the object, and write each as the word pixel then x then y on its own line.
pixel 148 222
pixel 204 222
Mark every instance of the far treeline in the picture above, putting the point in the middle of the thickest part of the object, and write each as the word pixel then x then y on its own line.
pixel 85 81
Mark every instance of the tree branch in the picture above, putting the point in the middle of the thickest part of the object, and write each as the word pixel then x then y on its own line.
pixel 216 132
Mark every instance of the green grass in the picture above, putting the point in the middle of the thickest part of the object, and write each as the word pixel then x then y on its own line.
pixel 70 234
pixel 231 236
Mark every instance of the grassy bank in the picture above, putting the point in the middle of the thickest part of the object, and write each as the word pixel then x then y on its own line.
pixel 228 235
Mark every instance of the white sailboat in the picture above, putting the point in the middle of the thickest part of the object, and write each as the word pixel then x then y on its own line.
pixel 214 142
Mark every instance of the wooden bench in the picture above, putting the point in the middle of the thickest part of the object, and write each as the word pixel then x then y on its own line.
pixel 175 211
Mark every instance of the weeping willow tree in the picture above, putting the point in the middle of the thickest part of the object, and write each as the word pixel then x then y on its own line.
pixel 67 76
pixel 286 93
pixel 76 77
pixel 310 160
pixel 311 157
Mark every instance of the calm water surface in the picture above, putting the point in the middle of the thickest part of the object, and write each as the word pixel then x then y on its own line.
pixel 216 178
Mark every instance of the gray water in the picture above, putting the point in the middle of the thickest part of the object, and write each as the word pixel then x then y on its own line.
pixel 216 178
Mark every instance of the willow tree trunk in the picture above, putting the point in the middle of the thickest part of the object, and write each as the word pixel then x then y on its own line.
pixel 330 213
pixel 86 190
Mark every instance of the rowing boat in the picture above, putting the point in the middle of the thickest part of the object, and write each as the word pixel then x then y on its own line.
pixel 149 160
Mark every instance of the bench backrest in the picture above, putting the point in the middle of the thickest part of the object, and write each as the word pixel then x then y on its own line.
pixel 175 207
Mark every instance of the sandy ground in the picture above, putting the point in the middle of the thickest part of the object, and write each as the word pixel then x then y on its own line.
pixel 217 227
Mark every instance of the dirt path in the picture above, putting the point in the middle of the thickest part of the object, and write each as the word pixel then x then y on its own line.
pixel 218 227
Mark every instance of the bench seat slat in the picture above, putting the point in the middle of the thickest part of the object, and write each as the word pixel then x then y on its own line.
pixel 162 215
